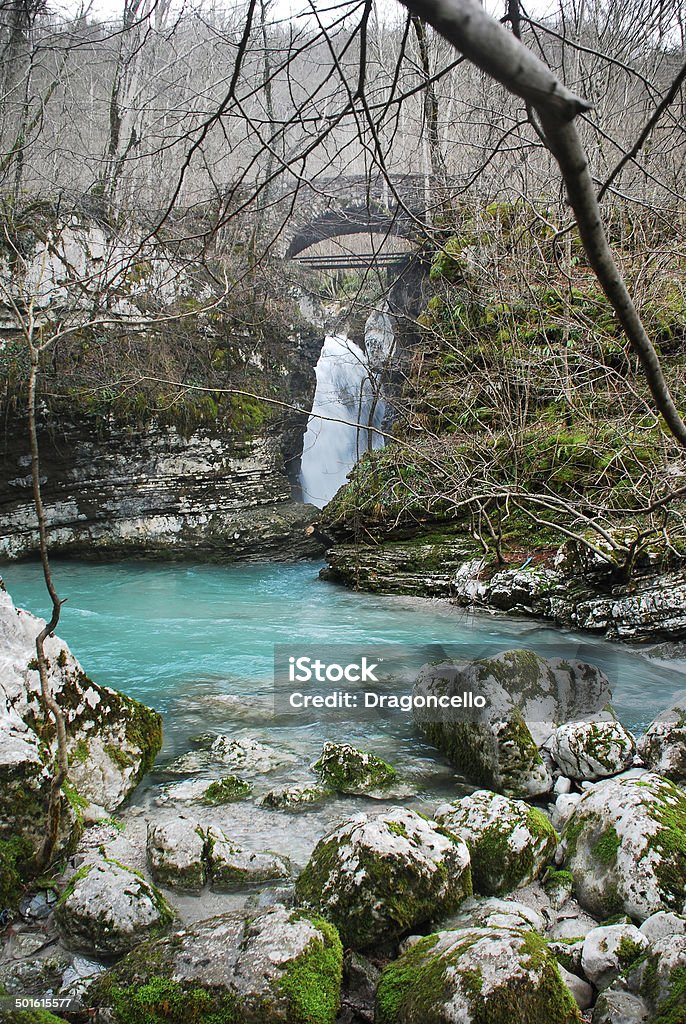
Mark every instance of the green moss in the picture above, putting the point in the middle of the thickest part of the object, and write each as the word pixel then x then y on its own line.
pixel 312 982
pixel 667 806
pixel 79 754
pixel 144 731
pixel 80 873
pixel 606 846
pixel 555 880
pixel 411 973
pixel 77 802
pixel 226 790
pixel 119 756
pixel 164 1001
pixel 413 987
pixel 397 828
pixel 629 953
pixel 672 1009
pixel 15 857
pixel 347 770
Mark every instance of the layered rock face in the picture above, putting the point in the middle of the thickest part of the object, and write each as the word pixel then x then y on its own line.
pixel 110 490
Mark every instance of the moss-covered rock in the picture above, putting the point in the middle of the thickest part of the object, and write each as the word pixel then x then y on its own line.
pixel 610 951
pixel 177 854
pixel 107 909
pixel 231 867
pixel 294 798
pixel 663 746
pixel 588 751
pixel 345 769
pixel 509 841
pixel 625 844
pixel 226 790
pixel 524 694
pixel 278 967
pixel 112 739
pixel 479 976
pixel 659 978
pixel 378 877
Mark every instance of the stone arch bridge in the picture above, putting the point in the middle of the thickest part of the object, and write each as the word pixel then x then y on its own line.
pixel 331 207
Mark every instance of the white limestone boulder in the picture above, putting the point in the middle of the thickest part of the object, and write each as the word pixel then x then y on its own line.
pixel 377 877
pixel 509 841
pixel 107 909
pixel 624 845
pixel 587 751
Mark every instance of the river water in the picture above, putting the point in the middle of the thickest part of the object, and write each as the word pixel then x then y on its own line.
pixel 196 642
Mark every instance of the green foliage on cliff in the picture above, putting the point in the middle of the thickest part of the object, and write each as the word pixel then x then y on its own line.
pixel 523 415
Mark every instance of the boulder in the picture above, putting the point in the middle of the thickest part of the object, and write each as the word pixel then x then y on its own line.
pixel 474 976
pixel 376 877
pixel 615 1006
pixel 107 909
pixel 176 853
pixel 587 751
pixel 580 989
pixel 294 798
pixel 663 746
pixel 624 845
pixel 509 842
pixel 273 967
pixel 245 755
pixel 227 790
pixel 660 978
pixel 526 697
pixel 609 951
pixel 661 925
pixel 563 808
pixel 492 912
pixel 345 769
pixel 231 867
pixel 112 739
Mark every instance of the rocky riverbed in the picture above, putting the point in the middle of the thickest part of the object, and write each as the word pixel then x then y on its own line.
pixel 550 885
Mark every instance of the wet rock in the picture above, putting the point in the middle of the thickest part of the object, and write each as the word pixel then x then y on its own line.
pixel 112 739
pixel 376 877
pixel 509 841
pixel 663 747
pixel 245 755
pixel 345 769
pixel 32 972
pixel 279 965
pixel 232 867
pixel 226 791
pixel 473 976
pixel 609 951
pixel 176 854
pixel 624 846
pixel 526 697
pixel 79 975
pixel 107 909
pixel 294 798
pixel 592 750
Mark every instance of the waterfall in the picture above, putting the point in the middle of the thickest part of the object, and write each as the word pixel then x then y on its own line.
pixel 344 391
